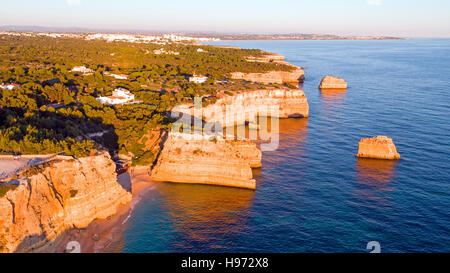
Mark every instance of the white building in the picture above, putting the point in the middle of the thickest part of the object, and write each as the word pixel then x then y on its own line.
pixel 116 76
pixel 82 69
pixel 9 86
pixel 198 79
pixel 119 96
pixel 120 77
pixel 163 51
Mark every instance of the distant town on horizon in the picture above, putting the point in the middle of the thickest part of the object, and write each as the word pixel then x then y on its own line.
pixel 230 36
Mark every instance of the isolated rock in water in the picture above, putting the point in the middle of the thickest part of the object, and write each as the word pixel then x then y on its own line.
pixel 331 82
pixel 380 147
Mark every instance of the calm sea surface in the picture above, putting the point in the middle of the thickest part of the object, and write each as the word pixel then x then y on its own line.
pixel 312 194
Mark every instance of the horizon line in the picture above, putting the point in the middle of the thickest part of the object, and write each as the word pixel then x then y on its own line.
pixel 79 29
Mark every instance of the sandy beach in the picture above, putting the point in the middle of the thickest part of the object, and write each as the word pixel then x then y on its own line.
pixel 105 235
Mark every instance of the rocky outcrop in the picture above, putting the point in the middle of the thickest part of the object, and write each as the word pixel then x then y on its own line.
pixel 331 82
pixel 295 76
pixel 205 159
pixel 54 197
pixel 275 77
pixel 247 105
pixel 380 147
pixel 268 58
pixel 200 159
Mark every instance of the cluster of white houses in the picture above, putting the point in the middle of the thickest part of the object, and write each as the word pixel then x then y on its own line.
pixel 198 79
pixel 9 86
pixel 119 96
pixel 116 76
pixel 82 69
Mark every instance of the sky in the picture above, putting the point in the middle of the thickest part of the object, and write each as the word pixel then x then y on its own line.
pixel 403 18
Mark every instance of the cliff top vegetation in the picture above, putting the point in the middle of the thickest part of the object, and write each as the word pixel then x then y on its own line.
pixel 55 111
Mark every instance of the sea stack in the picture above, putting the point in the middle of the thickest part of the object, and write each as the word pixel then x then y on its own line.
pixel 380 147
pixel 331 82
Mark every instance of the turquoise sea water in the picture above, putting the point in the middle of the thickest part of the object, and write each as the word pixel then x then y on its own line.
pixel 312 194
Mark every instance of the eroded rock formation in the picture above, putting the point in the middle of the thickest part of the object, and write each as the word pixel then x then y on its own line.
pixel 380 147
pixel 331 82
pixel 276 77
pixel 268 58
pixel 199 159
pixel 245 106
pixel 295 76
pixel 55 197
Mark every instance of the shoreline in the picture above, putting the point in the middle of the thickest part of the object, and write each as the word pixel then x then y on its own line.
pixel 105 235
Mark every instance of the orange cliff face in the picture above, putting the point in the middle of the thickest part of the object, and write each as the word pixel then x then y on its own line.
pixel 268 58
pixel 247 105
pixel 380 147
pixel 333 83
pixel 190 158
pixel 52 199
pixel 195 158
pixel 275 77
pixel 297 75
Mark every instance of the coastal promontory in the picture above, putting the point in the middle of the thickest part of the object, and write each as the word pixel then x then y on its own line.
pixel 51 198
pixel 201 159
pixel 245 106
pixel 293 75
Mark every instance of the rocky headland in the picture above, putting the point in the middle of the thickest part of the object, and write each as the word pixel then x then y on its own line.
pixel 268 57
pixel 380 147
pixel 275 77
pixel 56 196
pixel 245 106
pixel 331 82
pixel 202 159
pixel 209 159
pixel 44 203
pixel 295 76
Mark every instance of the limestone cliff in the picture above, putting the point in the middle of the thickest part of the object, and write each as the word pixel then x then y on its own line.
pixel 295 76
pixel 331 82
pixel 276 77
pixel 190 158
pixel 379 147
pixel 245 106
pixel 55 197
pixel 268 58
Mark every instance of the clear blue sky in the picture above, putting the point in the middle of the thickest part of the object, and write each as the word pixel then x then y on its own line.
pixel 413 18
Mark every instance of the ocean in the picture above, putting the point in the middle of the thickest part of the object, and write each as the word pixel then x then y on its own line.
pixel 313 194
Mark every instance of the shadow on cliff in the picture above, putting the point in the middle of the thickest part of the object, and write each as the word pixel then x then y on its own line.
pixel 186 121
pixel 27 245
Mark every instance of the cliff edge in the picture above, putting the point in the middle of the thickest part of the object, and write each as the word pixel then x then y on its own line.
pixel 295 76
pixel 245 106
pixel 199 159
pixel 56 196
